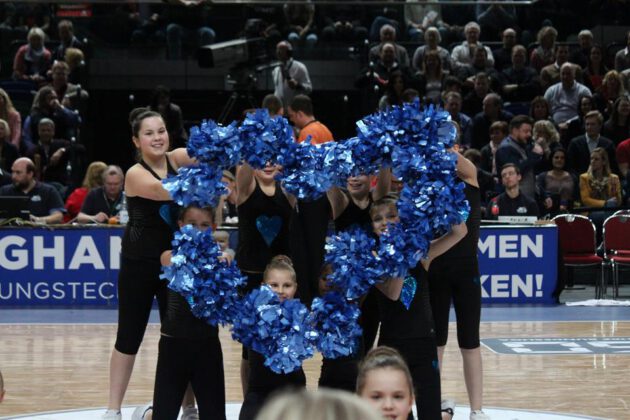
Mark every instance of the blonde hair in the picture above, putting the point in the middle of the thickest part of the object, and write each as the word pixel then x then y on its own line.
pixel 322 404
pixel 546 129
pixel 282 263
pixel 36 32
pixel 94 175
pixel 382 357
pixel 605 162
pixel 8 105
pixel 73 57
pixel 613 75
pixel 7 129
pixel 387 201
pixel 220 235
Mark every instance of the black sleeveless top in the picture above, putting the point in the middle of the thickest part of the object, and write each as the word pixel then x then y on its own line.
pixel 263 229
pixel 354 215
pixel 399 323
pixel 467 247
pixel 179 321
pixel 147 234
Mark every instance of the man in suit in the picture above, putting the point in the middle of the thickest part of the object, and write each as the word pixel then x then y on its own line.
pixel 580 148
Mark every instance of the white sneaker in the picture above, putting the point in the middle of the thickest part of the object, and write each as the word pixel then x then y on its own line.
pixel 479 415
pixel 448 406
pixel 112 415
pixel 141 411
pixel 190 413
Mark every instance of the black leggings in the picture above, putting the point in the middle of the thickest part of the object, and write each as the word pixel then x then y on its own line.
pixel 421 357
pixel 457 281
pixel 138 282
pixel 198 362
pixel 369 319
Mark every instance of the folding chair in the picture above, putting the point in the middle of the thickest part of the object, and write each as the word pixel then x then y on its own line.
pixel 616 233
pixel 576 234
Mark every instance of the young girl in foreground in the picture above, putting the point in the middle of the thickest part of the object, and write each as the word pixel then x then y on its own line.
pixel 385 382
pixel 189 350
pixel 410 330
pixel 280 276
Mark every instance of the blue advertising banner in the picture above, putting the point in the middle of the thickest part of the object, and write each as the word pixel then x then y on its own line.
pixel 74 266
pixel 79 265
pixel 518 264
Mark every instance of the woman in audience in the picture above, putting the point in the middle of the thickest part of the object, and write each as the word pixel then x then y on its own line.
pixel 432 40
pixel 612 88
pixel 544 53
pixel 93 178
pixel 8 152
pixel 32 60
pixel 47 105
pixel 498 131
pixel 594 72
pixel 545 134
pixel 9 114
pixel 557 187
pixel 617 127
pixel 599 188
pixel 431 77
pixel 76 61
pixel 393 92
pixel 539 109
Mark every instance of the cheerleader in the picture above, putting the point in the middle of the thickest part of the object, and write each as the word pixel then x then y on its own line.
pixel 280 276
pixel 146 236
pixel 264 211
pixel 189 350
pixel 385 382
pixel 410 329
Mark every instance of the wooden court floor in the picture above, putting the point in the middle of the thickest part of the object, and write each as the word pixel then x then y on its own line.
pixel 57 367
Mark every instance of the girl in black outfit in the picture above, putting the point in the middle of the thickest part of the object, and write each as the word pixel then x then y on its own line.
pixel 264 209
pixel 410 330
pixel 351 209
pixel 280 276
pixel 146 236
pixel 189 349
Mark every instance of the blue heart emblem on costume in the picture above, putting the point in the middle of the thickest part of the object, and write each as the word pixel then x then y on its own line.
pixel 169 213
pixel 269 227
pixel 408 291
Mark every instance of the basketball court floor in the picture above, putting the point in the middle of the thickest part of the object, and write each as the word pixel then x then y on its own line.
pixel 540 362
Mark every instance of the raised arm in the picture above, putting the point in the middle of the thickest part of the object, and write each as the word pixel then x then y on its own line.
pixel 338 201
pixel 466 170
pixel 445 242
pixel 383 184
pixel 245 183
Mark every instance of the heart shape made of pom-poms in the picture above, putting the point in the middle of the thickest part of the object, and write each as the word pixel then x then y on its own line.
pixel 269 227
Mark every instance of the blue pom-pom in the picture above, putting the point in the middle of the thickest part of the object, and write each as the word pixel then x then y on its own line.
pixel 266 140
pixel 336 322
pixel 280 331
pixel 198 185
pixel 308 177
pixel 355 268
pixel 207 283
pixel 215 145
